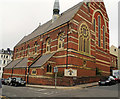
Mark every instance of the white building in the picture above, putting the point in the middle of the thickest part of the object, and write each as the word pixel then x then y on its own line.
pixel 119 58
pixel 5 58
pixel 116 51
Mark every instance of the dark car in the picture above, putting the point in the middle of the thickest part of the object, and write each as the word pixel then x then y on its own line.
pixel 107 81
pixel 3 81
pixel 18 82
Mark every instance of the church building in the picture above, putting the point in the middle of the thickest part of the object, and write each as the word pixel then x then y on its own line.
pixel 76 40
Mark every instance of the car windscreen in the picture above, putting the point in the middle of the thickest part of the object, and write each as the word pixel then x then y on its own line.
pixel 104 78
pixel 18 78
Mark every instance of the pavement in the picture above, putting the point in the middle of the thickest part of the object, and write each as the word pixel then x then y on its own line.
pixel 64 87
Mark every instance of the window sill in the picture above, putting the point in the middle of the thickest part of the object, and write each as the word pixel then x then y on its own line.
pixel 49 73
pixel 60 49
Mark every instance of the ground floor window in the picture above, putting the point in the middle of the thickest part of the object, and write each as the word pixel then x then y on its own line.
pixel 49 68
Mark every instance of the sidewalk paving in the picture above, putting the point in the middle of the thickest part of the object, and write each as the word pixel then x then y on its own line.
pixel 64 87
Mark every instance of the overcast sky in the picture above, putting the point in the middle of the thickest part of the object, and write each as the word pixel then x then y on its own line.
pixel 19 18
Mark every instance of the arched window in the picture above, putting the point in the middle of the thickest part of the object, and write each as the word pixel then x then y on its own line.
pixel 36 45
pixel 103 37
pixel 28 49
pixel 48 45
pixel 99 31
pixel 61 41
pixel 94 25
pixel 21 51
pixel 49 68
pixel 84 38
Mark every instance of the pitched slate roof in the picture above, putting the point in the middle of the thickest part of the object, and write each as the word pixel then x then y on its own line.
pixel 64 17
pixel 42 60
pixel 13 63
pixel 22 63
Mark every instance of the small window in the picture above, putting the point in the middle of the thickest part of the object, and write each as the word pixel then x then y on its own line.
pixel 49 68
pixel 61 41
pixel 36 44
pixel 28 49
pixel 34 72
pixel 48 42
pixel 4 62
pixel 6 56
pixel 115 50
pixel 16 50
pixel 1 56
pixel 35 49
pixel 0 62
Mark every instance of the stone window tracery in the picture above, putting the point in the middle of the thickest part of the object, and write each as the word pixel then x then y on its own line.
pixel 84 38
pixel 36 46
pixel 48 43
pixel 61 41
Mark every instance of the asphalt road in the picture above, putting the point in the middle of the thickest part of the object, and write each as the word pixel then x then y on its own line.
pixel 98 91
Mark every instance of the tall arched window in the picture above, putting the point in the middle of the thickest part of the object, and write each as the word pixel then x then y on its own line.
pixel 94 25
pixel 84 38
pixel 61 41
pixel 36 46
pixel 28 49
pixel 48 45
pixel 103 37
pixel 99 31
pixel 21 51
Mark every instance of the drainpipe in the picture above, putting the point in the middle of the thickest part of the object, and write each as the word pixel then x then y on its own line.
pixel 12 73
pixel 67 45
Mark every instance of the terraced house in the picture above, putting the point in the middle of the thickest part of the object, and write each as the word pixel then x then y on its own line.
pixel 77 39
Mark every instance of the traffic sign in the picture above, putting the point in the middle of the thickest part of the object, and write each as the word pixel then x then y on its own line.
pixel 55 69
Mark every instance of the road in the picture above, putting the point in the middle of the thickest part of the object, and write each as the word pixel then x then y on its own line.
pixel 98 91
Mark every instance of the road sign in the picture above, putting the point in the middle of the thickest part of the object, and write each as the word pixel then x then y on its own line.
pixel 55 69
pixel 70 72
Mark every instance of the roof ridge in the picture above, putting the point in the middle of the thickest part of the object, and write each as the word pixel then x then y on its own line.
pixel 64 17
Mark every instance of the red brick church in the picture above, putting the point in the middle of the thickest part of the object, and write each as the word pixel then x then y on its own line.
pixel 77 39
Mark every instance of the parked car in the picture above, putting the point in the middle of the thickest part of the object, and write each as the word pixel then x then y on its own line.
pixel 18 82
pixel 117 79
pixel 8 81
pixel 3 81
pixel 107 81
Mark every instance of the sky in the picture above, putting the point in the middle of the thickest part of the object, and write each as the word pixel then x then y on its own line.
pixel 18 18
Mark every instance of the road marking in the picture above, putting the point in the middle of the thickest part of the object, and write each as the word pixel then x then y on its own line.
pixel 41 90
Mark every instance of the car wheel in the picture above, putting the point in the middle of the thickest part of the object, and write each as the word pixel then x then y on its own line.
pixel 99 84
pixel 15 85
pixel 11 84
